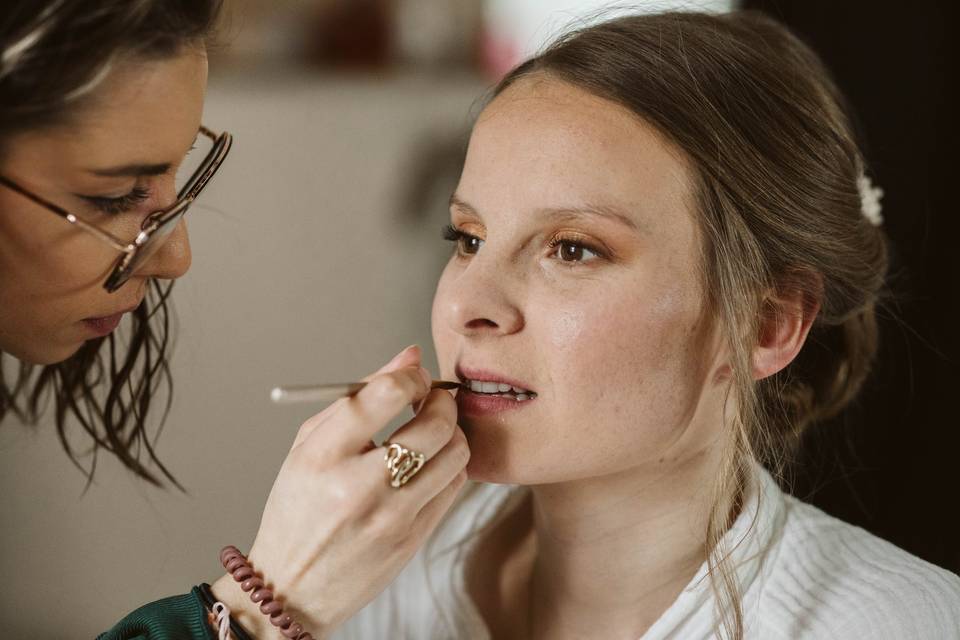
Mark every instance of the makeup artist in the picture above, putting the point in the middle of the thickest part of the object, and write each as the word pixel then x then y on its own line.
pixel 102 153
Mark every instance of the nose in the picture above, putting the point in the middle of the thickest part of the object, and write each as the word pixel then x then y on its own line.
pixel 172 259
pixel 482 301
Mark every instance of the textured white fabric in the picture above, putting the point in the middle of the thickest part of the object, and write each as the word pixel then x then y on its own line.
pixel 805 576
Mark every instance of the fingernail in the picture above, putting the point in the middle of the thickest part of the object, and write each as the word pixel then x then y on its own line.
pixel 401 354
pixel 417 408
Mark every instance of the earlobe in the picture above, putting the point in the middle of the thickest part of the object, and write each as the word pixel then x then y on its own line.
pixel 785 324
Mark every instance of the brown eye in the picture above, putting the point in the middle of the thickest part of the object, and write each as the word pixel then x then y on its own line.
pixel 470 244
pixel 569 251
pixel 466 243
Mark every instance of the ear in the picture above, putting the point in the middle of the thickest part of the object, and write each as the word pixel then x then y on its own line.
pixel 788 315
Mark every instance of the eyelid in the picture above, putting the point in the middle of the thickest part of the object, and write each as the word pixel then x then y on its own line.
pixel 581 239
pixel 450 231
pixel 471 228
pixel 119 204
pixel 458 236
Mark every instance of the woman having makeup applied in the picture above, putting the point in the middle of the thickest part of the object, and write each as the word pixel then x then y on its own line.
pixel 102 153
pixel 668 256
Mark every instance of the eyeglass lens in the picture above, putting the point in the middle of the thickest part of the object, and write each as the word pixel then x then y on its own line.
pixel 150 247
pixel 191 165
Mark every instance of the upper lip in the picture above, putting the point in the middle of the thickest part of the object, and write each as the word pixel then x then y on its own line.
pixel 110 315
pixel 487 375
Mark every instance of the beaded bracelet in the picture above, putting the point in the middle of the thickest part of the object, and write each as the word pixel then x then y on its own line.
pixel 239 567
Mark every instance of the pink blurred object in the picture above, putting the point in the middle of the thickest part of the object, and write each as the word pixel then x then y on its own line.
pixel 498 54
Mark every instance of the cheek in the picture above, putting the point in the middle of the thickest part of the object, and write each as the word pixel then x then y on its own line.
pixel 568 328
pixel 49 280
pixel 620 334
pixel 628 365
pixel 49 255
pixel 64 270
pixel 440 326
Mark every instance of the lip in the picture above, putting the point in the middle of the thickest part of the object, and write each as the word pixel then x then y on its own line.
pixel 105 325
pixel 488 375
pixel 478 405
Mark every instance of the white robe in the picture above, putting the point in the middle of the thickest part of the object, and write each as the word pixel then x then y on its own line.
pixel 804 574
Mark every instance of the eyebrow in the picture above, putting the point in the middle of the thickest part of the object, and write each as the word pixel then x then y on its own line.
pixel 133 170
pixel 566 213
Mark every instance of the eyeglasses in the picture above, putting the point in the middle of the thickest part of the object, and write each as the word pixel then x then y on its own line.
pixel 157 226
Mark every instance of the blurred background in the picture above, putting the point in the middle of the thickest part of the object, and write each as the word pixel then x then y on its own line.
pixel 316 251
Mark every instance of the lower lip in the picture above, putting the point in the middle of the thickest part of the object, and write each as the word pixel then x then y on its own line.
pixel 476 404
pixel 103 326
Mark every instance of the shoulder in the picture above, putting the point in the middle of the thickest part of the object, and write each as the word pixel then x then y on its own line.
pixel 832 579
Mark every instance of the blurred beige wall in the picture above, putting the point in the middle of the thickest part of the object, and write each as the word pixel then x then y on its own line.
pixel 305 269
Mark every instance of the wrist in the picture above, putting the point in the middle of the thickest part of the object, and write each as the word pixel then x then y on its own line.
pixel 254 604
pixel 246 613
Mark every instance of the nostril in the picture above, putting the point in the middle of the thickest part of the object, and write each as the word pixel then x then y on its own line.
pixel 481 323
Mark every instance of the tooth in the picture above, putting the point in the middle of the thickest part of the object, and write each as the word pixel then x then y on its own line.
pixel 518 390
pixel 490 387
pixel 503 387
pixel 522 396
pixel 476 386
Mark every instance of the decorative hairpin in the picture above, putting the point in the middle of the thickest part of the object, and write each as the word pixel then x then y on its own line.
pixel 870 200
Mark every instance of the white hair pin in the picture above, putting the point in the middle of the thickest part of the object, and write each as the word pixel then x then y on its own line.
pixel 870 200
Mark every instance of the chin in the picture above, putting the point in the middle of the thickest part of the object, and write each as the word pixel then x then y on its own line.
pixel 481 471
pixel 495 470
pixel 495 460
pixel 487 462
pixel 42 355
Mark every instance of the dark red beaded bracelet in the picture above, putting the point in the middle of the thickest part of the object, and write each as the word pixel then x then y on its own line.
pixel 237 566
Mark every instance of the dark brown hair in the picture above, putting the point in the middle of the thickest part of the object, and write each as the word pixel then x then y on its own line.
pixel 52 54
pixel 776 169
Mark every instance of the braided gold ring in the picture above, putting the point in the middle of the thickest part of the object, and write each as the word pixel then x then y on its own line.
pixel 403 464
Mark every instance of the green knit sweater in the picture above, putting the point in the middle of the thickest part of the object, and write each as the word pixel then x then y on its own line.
pixel 176 618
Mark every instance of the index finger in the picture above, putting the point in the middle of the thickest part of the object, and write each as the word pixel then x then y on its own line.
pixel 371 409
pixel 407 358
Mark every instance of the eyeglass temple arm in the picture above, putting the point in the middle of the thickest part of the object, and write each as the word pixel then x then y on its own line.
pixel 105 236
pixel 109 238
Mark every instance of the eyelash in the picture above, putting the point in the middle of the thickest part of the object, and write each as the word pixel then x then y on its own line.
pixel 575 241
pixel 120 204
pixel 453 234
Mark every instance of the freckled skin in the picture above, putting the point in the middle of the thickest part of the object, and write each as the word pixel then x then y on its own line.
pixel 51 273
pixel 620 351
pixel 608 322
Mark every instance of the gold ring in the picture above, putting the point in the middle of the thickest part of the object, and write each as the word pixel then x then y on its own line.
pixel 403 464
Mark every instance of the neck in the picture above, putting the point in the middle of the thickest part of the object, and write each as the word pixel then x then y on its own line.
pixel 613 552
